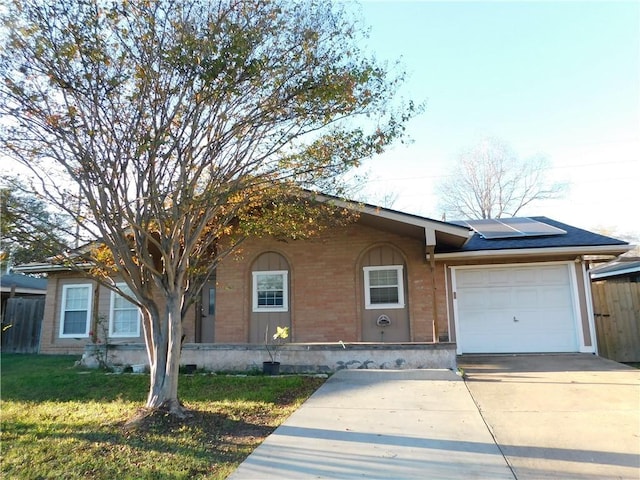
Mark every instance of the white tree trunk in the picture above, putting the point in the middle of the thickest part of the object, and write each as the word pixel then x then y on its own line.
pixel 166 348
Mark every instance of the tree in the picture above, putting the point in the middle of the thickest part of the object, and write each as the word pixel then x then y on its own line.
pixel 180 127
pixel 490 181
pixel 29 232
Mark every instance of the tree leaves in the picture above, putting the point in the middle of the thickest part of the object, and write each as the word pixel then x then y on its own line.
pixel 172 129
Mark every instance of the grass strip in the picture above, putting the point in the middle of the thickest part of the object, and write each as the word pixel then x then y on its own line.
pixel 59 421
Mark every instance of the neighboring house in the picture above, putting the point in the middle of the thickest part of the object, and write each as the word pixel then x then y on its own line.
pixel 18 285
pixel 510 286
pixel 622 269
pixel 21 311
pixel 616 302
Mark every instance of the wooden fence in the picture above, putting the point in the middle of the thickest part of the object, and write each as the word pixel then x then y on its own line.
pixel 616 306
pixel 21 324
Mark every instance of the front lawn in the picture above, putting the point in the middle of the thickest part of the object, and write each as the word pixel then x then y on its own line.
pixel 66 422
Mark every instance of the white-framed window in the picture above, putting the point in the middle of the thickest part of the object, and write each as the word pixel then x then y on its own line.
pixel 270 291
pixel 383 287
pixel 75 312
pixel 124 316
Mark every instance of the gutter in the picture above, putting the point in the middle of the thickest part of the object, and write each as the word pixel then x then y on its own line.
pixel 49 267
pixel 539 251
pixel 614 273
pixel 27 291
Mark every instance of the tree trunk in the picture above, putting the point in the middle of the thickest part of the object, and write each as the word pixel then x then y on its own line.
pixel 166 349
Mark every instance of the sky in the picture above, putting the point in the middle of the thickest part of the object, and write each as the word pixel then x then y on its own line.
pixel 554 78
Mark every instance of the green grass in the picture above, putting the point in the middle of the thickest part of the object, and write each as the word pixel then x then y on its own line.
pixel 64 422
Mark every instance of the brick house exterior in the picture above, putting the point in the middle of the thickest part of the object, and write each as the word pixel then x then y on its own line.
pixel 389 278
pixel 325 283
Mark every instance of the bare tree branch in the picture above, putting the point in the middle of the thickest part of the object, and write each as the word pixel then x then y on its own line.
pixel 170 130
pixel 490 181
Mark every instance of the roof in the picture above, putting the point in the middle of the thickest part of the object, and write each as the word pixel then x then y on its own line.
pixel 617 268
pixel 574 237
pixel 572 240
pixel 22 283
pixel 457 239
pixel 433 232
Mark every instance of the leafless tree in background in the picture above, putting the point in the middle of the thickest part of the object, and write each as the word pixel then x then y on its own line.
pixel 490 181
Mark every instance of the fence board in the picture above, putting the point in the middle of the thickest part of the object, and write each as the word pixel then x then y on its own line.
pixel 21 324
pixel 617 316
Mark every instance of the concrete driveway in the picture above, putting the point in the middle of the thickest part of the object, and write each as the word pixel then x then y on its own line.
pixel 560 416
pixel 515 417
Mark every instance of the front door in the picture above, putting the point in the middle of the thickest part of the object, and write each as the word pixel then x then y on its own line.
pixel 208 313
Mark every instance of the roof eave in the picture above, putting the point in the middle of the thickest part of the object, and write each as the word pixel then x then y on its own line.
pixel 23 291
pixel 538 251
pixel 50 267
pixel 614 273
pixel 464 233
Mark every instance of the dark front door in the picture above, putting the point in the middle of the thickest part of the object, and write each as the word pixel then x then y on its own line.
pixel 208 320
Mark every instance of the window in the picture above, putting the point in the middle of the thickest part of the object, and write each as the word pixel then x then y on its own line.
pixel 383 287
pixel 124 316
pixel 76 311
pixel 270 291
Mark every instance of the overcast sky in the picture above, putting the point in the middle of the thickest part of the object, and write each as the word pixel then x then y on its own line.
pixel 558 78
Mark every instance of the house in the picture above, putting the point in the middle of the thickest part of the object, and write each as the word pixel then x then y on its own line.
pixel 622 269
pixel 21 311
pixel 389 282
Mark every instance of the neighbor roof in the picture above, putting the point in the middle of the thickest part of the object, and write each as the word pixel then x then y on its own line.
pixel 616 268
pixel 22 283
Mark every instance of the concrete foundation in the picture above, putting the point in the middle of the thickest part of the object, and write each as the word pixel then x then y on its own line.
pixel 294 358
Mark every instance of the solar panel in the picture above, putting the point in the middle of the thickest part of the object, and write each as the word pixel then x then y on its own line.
pixel 533 228
pixel 493 228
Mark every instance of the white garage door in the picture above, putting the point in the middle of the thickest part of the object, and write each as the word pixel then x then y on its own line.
pixel 515 309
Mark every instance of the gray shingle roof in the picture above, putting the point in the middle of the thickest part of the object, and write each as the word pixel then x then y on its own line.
pixel 575 237
pixel 616 268
pixel 27 282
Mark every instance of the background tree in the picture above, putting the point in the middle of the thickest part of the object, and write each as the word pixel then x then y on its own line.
pixel 180 127
pixel 29 232
pixel 490 181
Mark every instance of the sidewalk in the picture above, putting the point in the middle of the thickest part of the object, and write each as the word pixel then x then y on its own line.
pixel 381 424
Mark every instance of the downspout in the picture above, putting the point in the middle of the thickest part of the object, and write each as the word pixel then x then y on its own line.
pixel 434 304
pixel 430 236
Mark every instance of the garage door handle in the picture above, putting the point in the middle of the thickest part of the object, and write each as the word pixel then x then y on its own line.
pixel 515 319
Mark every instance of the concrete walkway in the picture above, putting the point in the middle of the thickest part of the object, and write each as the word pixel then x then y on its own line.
pixel 381 424
pixel 516 417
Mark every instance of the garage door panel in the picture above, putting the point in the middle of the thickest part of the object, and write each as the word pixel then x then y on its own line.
pixel 555 297
pixel 526 297
pixel 524 276
pixel 558 275
pixel 499 298
pixel 472 278
pixel 475 299
pixel 516 309
pixel 498 277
